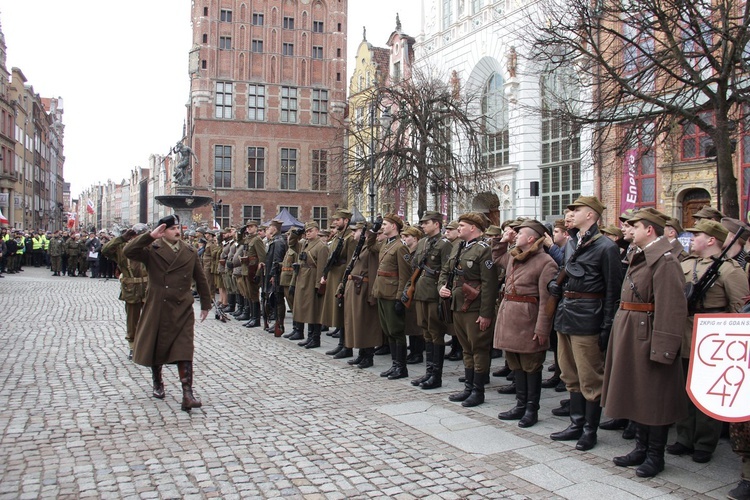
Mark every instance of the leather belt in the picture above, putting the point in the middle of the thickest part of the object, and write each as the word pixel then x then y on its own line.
pixel 289 269
pixel 521 298
pixel 581 295
pixel 363 280
pixel 135 280
pixel 388 274
pixel 637 306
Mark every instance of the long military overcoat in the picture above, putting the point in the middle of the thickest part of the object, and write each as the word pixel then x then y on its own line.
pixel 361 320
pixel 165 329
pixel 643 377
pixel 332 314
pixel 308 305
pixel 527 275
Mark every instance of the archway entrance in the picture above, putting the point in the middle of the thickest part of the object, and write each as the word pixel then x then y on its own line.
pixel 692 201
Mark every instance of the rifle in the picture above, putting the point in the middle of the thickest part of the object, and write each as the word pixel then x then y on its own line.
pixel 418 274
pixel 694 292
pixel 278 327
pixel 332 259
pixel 349 267
pixel 444 311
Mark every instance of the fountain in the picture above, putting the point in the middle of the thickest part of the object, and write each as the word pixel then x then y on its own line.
pixel 184 201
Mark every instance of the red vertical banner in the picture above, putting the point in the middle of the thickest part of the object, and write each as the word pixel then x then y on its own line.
pixel 629 193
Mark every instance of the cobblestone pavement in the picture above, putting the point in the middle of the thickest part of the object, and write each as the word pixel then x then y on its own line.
pixel 277 421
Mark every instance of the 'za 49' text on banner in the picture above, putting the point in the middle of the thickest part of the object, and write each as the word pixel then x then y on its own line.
pixel 719 377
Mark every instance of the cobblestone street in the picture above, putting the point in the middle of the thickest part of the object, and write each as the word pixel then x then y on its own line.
pixel 79 421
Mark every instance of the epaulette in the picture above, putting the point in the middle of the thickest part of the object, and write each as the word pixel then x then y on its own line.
pixel 446 240
pixel 483 244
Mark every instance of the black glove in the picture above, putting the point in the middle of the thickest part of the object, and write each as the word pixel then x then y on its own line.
pixel 377 225
pixel 399 307
pixel 554 289
pixel 292 290
pixel 404 298
pixel 230 265
pixel 603 340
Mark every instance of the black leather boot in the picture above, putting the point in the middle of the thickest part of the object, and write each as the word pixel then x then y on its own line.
pixel 392 349
pixel 310 328
pixel 638 455
pixel 232 299
pixel 401 371
pixel 593 416
pixel 563 410
pixel 416 348
pixel 344 353
pixel 185 369
pixel 358 359
pixel 245 315
pixel 436 376
pixel 298 332
pixel 294 329
pixel 533 395
pixel 158 382
pixel 255 319
pixel 657 441
pixel 239 307
pixel 468 386
pixel 517 411
pixel 428 371
pixel 508 389
pixel 629 431
pixel 330 334
pixel 339 347
pixel 383 350
pixel 367 356
pixel 504 371
pixel 614 424
pixel 476 397
pixel 577 419
pixel 457 352
pixel 315 340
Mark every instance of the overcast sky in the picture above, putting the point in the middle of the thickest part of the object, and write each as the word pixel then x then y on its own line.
pixel 121 70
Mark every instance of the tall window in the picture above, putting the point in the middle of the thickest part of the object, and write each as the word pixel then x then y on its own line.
pixel 223 102
pixel 561 145
pixel 288 23
pixel 256 168
pixel 317 26
pixel 447 13
pixel 319 170
pixel 317 52
pixel 320 107
pixel 288 179
pixel 222 216
pixel 258 19
pixel 320 215
pixel 695 142
pixel 289 104
pixel 226 16
pixel 397 72
pixel 225 42
pixel 256 46
pixel 293 211
pixel 637 50
pixel 223 166
pixel 252 212
pixel 495 115
pixel 475 6
pixel 287 49
pixel 256 102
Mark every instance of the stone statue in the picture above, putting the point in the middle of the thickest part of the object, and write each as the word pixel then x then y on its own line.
pixel 183 172
pixel 512 62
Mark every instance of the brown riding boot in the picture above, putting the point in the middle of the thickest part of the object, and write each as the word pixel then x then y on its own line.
pixel 185 368
pixel 158 382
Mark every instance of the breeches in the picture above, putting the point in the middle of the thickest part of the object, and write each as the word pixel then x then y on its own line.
pixel 581 364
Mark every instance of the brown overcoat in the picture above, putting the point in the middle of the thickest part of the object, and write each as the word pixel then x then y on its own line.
pixel 308 305
pixel 642 381
pixel 361 321
pixel 165 329
pixel 528 274
pixel 332 314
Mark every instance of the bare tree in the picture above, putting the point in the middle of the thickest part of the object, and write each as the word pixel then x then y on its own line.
pixel 418 134
pixel 655 65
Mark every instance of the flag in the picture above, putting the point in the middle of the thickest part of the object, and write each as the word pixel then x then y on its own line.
pixel 216 225
pixel 90 206
pixel 3 219
pixel 71 220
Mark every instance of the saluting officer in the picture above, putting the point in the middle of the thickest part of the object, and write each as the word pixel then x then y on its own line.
pixel 394 269
pixel 433 251
pixel 476 275
pixel 307 297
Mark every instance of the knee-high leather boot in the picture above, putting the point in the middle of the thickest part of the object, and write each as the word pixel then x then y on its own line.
pixel 400 371
pixel 533 395
pixel 245 314
pixel 476 397
pixel 367 355
pixel 416 345
pixel 436 376
pixel 428 372
pixel 657 441
pixel 468 386
pixel 310 329
pixel 577 418
pixel 392 348
pixel 638 455
pixel 254 320
pixel 593 416
pixel 185 369
pixel 232 303
pixel 298 331
pixel 315 341
pixel 158 382
pixel 517 411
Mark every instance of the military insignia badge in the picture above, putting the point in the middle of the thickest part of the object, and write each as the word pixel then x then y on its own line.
pixel 469 263
pixel 488 264
pixel 407 257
